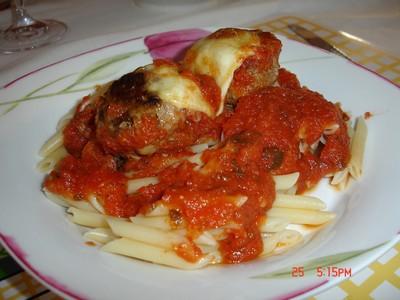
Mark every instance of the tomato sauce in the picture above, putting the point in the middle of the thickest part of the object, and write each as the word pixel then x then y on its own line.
pixel 275 130
pixel 293 122
pixel 258 70
pixel 367 115
pixel 208 87
pixel 210 199
pixel 80 129
pixel 147 131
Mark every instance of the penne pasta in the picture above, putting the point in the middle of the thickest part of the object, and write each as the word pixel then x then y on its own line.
pixel 272 224
pixel 291 191
pixel 100 235
pixel 301 216
pixel 53 143
pixel 340 176
pixel 199 148
pixel 196 159
pixel 158 210
pixel 240 200
pixel 148 150
pixel 96 204
pixel 151 253
pixel 282 241
pixel 49 162
pixel 145 234
pixel 206 238
pixel 65 202
pixel 331 129
pixel 285 182
pixel 269 243
pixel 287 239
pixel 219 233
pixel 159 222
pixel 358 148
pixel 64 121
pixel 82 205
pixel 56 199
pixel 298 201
pixel 343 184
pixel 135 184
pixel 86 218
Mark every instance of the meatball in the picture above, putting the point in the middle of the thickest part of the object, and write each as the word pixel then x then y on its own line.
pixel 154 107
pixel 240 61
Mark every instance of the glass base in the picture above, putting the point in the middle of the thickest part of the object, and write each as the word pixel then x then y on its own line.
pixel 39 33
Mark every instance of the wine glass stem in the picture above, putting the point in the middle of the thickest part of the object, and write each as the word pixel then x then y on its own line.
pixel 20 17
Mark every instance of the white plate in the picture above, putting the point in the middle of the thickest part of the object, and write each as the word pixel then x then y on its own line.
pixel 41 239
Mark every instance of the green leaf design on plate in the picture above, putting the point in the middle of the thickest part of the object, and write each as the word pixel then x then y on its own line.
pixel 102 69
pixel 35 91
pixel 320 262
pixel 12 106
pixel 25 99
pixel 28 96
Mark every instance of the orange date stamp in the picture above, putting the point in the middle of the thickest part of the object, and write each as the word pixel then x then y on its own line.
pixel 323 271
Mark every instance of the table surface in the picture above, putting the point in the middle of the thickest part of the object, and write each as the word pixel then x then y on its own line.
pixel 376 21
pixel 366 31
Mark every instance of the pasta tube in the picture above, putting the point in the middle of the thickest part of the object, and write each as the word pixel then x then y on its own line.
pixel 148 235
pixel 301 216
pixel 151 253
pixel 285 182
pixel 49 162
pixel 298 201
pixel 358 148
pixel 86 218
pixel 100 235
pixel 135 184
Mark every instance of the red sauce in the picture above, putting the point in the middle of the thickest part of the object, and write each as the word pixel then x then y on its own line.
pixel 208 87
pixel 163 62
pixel 93 174
pixel 258 70
pixel 189 251
pixel 367 115
pixel 147 131
pixel 287 118
pixel 90 243
pixel 208 199
pixel 234 188
pixel 287 79
pixel 80 129
pixel 192 130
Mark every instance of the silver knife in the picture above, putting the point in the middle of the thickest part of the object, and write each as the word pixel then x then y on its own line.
pixel 315 40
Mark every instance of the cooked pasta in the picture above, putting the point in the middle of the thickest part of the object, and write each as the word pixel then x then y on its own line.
pixel 100 235
pixel 132 248
pixel 301 216
pixel 163 166
pixel 49 162
pixel 86 218
pixel 357 148
pixel 52 144
pixel 135 184
pixel 285 182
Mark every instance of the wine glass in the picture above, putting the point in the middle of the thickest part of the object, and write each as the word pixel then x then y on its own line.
pixel 26 32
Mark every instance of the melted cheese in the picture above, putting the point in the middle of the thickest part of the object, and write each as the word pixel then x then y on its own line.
pixel 219 57
pixel 180 91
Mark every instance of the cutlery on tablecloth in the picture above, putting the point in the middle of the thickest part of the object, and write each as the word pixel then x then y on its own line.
pixel 315 40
